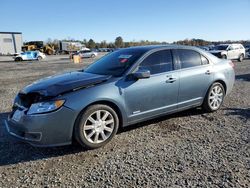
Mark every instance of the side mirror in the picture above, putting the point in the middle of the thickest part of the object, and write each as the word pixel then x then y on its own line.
pixel 141 74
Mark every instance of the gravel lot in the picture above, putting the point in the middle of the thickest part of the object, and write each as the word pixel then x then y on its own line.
pixel 188 149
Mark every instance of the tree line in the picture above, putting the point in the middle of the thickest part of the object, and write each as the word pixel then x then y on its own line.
pixel 120 43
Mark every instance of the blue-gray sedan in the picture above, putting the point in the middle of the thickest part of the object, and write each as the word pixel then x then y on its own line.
pixel 122 88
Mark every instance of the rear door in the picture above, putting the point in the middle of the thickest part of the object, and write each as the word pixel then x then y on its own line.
pixel 195 77
pixel 34 55
pixel 157 94
pixel 232 52
pixel 87 53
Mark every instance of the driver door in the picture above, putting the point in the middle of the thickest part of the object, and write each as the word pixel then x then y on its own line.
pixel 156 95
pixel 28 56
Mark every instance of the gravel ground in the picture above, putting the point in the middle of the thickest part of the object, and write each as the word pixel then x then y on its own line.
pixel 187 149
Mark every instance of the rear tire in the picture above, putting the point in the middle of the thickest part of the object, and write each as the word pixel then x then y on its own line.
pixel 92 56
pixel 241 58
pixel 18 59
pixel 39 58
pixel 214 97
pixel 96 126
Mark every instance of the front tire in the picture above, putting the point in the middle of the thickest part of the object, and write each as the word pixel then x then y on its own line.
pixel 214 97
pixel 224 57
pixel 96 126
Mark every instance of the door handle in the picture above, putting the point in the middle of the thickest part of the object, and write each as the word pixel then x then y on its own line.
pixel 171 80
pixel 208 72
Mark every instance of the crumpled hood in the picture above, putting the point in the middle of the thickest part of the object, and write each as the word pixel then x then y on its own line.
pixel 216 51
pixel 54 85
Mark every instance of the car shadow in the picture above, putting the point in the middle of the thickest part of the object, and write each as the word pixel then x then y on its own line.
pixel 190 112
pixel 14 151
pixel 7 61
pixel 244 77
pixel 242 113
pixel 64 58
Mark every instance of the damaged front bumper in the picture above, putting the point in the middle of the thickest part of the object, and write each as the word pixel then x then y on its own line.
pixel 49 129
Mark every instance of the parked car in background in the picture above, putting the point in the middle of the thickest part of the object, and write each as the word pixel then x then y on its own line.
pixel 229 51
pixel 125 87
pixel 247 47
pixel 86 53
pixel 248 53
pixel 29 55
pixel 102 49
pixel 105 49
pixel 204 48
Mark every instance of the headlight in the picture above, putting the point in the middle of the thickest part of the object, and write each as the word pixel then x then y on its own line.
pixel 43 107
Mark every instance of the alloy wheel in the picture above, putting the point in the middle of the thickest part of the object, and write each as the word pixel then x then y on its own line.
pixel 99 126
pixel 216 97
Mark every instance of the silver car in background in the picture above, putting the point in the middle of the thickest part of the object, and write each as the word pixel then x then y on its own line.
pixel 87 54
pixel 123 88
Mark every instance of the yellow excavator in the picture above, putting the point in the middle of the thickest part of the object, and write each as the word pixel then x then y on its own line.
pixel 32 46
pixel 48 49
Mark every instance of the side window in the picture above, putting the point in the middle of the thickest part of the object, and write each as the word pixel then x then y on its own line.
pixel 233 47
pixel 204 60
pixel 189 58
pixel 158 62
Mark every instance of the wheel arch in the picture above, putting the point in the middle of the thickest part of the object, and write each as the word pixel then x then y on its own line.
pixel 19 59
pixel 221 82
pixel 114 106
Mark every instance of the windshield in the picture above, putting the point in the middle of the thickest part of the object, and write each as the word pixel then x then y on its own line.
pixel 116 63
pixel 221 47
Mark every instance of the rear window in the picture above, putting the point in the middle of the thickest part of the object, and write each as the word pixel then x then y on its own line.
pixel 189 58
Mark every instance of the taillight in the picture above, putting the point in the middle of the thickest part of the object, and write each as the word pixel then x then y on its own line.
pixel 231 63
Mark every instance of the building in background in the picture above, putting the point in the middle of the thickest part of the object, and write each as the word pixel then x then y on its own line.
pixel 10 43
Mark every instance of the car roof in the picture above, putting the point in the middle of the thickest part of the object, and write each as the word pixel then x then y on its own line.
pixel 174 46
